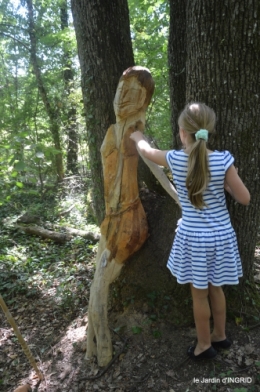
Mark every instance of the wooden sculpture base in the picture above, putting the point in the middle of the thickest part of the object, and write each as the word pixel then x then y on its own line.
pixel 98 336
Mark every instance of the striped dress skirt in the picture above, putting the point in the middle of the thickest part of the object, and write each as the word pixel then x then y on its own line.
pixel 205 257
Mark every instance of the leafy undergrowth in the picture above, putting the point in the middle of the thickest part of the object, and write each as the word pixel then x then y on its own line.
pixel 46 288
pixel 31 266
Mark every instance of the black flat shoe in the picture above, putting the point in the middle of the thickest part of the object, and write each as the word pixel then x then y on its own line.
pixel 210 353
pixel 222 344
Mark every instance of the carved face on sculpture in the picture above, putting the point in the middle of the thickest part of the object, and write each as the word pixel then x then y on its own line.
pixel 130 97
pixel 134 91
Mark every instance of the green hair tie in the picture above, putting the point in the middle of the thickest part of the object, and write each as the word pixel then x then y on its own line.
pixel 202 134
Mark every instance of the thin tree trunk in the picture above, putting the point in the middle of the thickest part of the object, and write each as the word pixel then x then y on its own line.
pixel 71 125
pixel 53 120
pixel 105 51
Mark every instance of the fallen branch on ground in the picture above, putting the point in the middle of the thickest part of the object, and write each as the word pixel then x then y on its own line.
pixel 65 212
pixel 58 237
pixel 81 233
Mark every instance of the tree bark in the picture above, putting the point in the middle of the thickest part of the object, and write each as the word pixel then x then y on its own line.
pixel 68 76
pixel 54 124
pixel 177 53
pixel 145 282
pixel 105 51
pixel 222 70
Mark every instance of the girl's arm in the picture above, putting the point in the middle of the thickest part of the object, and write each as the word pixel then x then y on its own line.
pixel 235 186
pixel 154 155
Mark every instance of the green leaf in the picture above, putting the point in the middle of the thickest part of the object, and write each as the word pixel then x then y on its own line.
pixel 20 166
pixel 19 184
pixel 157 333
pixel 136 330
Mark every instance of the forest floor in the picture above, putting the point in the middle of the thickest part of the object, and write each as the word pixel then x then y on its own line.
pixel 46 288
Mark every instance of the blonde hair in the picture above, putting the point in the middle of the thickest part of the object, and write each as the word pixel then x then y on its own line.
pixel 197 116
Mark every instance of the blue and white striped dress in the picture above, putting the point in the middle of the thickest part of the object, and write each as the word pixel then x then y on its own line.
pixel 205 245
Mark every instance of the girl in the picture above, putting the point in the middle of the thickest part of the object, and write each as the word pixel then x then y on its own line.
pixel 204 252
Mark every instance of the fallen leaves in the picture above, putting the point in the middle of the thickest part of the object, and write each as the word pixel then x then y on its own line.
pixel 23 388
pixel 54 325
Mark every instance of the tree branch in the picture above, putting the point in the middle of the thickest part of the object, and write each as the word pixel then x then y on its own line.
pixel 15 39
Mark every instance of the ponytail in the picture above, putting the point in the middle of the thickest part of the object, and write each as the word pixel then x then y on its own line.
pixel 198 120
pixel 198 175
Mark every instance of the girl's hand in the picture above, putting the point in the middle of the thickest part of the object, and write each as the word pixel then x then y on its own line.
pixel 137 136
pixel 139 126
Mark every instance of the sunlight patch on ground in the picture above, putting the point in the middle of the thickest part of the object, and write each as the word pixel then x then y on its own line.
pixel 74 335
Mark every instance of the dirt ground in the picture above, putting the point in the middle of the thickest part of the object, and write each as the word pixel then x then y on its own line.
pixel 145 362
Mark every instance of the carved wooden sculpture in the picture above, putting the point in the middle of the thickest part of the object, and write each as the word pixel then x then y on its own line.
pixel 124 229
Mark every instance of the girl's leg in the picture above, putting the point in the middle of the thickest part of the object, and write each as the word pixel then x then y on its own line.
pixel 218 308
pixel 201 311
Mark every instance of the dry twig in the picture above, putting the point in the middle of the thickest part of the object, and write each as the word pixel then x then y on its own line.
pixel 92 378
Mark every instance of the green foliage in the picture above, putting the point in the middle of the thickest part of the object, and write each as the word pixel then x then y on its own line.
pixel 129 301
pixel 240 390
pixel 136 330
pixel 27 155
pixel 150 28
pixel 26 143
pixel 152 298
pixel 31 265
pixel 157 334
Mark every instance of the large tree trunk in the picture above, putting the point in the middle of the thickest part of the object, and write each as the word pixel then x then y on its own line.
pixel 177 54
pixel 219 65
pixel 222 70
pixel 145 274
pixel 105 51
